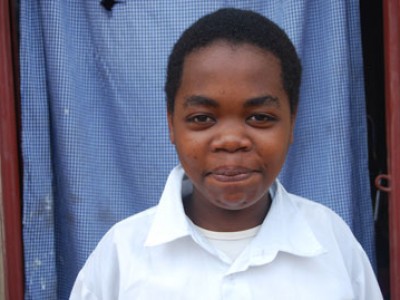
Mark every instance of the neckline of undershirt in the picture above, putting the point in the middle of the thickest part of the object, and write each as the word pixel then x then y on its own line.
pixel 229 236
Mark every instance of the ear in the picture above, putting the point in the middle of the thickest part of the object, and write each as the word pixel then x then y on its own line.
pixel 171 128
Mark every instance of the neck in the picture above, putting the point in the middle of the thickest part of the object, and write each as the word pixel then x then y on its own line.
pixel 223 220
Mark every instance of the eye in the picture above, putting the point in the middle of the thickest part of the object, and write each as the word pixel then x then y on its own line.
pixel 201 120
pixel 261 119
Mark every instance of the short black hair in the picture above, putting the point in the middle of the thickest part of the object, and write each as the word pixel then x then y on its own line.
pixel 237 27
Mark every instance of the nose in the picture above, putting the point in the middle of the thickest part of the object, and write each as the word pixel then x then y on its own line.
pixel 230 137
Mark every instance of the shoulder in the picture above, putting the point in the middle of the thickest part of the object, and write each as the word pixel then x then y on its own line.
pixel 332 232
pixel 108 262
pixel 326 224
pixel 337 237
pixel 130 231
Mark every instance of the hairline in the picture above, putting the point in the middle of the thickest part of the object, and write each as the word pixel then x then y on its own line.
pixel 234 43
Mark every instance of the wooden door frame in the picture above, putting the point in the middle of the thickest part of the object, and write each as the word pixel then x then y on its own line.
pixel 391 34
pixel 9 155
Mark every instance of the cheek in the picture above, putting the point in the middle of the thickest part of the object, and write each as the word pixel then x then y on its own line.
pixel 188 156
pixel 188 150
pixel 276 150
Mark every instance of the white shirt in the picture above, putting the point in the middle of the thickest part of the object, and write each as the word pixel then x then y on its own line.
pixel 303 250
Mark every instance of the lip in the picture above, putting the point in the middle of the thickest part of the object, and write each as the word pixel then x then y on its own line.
pixel 231 173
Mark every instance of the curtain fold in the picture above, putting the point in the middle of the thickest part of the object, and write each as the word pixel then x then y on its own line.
pixel 95 144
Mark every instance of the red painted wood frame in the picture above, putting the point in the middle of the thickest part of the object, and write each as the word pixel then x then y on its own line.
pixel 391 26
pixel 10 179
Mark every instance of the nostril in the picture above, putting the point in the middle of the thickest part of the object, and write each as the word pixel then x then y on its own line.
pixel 231 143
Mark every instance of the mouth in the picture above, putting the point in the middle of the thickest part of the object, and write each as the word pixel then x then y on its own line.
pixel 231 173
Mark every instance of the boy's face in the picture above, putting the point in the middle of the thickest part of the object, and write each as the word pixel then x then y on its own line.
pixel 232 126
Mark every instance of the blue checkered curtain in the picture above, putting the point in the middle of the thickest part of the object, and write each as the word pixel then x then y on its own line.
pixel 94 136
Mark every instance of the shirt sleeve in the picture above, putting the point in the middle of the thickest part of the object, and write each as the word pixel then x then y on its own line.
pixel 80 291
pixel 365 283
pixel 99 277
pixel 363 279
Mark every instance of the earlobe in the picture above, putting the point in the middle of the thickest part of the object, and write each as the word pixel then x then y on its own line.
pixel 171 129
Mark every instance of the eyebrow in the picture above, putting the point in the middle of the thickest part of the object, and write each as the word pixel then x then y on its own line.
pixel 266 100
pixel 197 100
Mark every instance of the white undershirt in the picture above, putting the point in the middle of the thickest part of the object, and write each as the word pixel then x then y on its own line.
pixel 230 243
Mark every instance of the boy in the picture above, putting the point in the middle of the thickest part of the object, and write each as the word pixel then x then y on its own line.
pixel 225 228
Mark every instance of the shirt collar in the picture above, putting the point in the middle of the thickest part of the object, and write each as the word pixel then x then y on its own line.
pixel 170 221
pixel 284 229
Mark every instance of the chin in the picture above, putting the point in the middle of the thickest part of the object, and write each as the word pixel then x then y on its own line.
pixel 236 204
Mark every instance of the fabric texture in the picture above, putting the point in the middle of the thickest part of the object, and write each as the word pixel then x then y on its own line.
pixel 95 146
pixel 302 251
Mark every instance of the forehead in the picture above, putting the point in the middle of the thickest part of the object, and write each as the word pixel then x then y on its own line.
pixel 230 66
pixel 224 47
pixel 239 58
